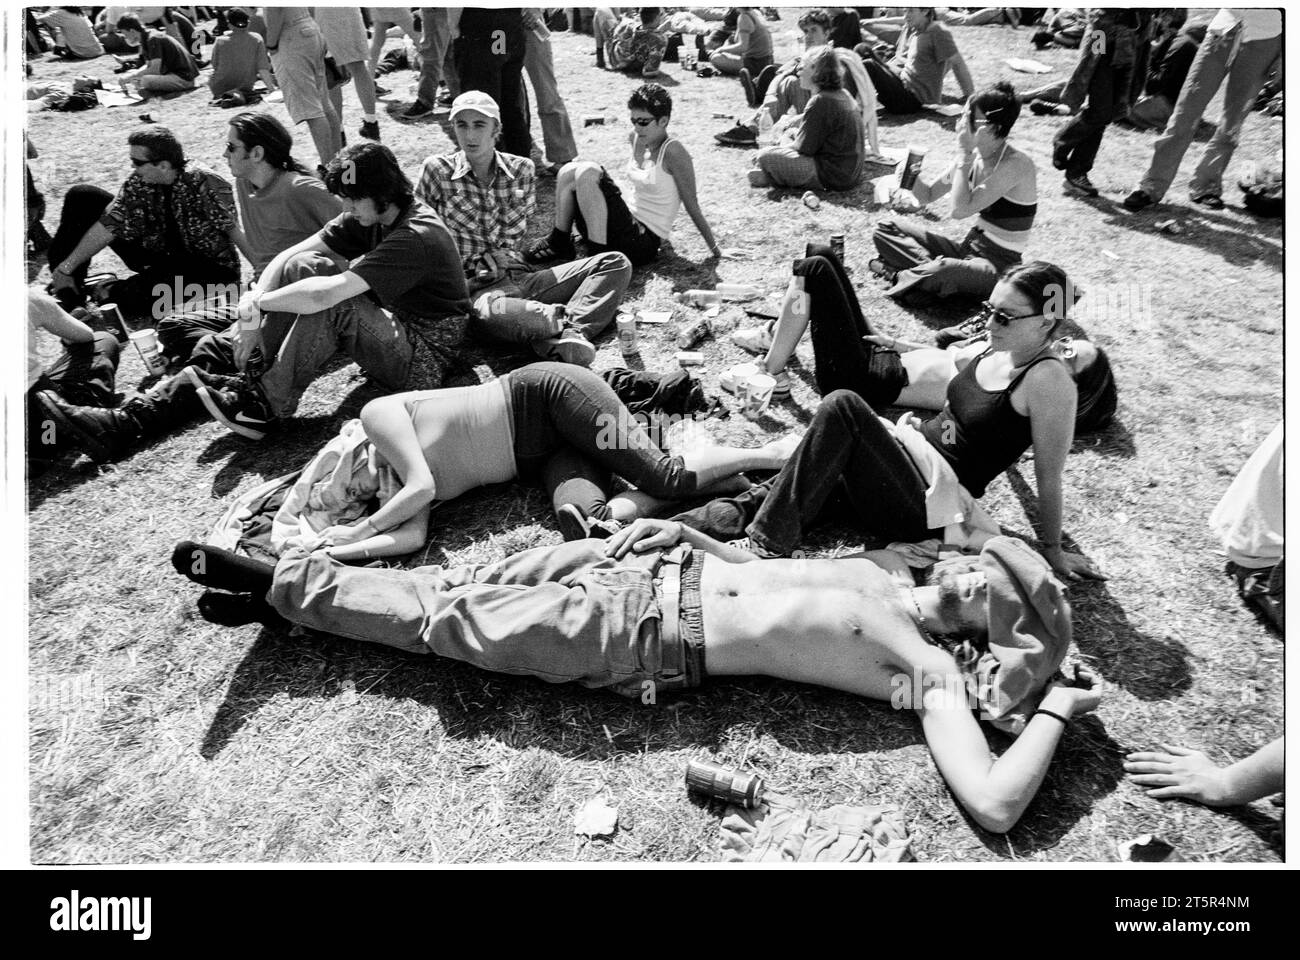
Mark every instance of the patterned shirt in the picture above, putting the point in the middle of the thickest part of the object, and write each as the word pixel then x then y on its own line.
pixel 197 212
pixel 481 217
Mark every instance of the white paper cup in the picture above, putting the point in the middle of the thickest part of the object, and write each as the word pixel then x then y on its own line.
pixel 756 394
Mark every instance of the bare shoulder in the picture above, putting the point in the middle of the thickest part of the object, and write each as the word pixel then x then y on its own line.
pixel 676 154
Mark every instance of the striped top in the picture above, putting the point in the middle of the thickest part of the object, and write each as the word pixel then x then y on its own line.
pixel 1006 222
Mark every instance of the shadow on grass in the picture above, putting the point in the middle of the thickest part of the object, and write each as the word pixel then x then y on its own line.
pixel 564 719
pixel 1151 668
pixel 1268 830
pixel 1115 441
pixel 1215 233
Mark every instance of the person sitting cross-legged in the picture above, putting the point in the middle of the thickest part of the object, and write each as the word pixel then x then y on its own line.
pixel 404 285
pixel 239 58
pixel 168 66
pixel 914 78
pixel 778 90
pixel 660 608
pixel 663 181
pixel 485 197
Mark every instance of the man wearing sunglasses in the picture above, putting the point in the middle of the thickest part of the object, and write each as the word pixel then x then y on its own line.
pixel 172 222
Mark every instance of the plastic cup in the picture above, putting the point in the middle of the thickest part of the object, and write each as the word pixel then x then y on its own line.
pixel 146 342
pixel 756 394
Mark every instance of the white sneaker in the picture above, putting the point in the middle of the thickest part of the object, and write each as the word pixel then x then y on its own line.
pixel 754 339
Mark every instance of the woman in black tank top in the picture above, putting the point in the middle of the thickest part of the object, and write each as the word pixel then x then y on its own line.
pixel 850 468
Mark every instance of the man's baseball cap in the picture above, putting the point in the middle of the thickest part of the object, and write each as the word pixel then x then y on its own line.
pixel 479 102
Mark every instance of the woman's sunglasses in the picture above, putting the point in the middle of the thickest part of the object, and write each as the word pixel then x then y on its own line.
pixel 992 314
pixel 641 121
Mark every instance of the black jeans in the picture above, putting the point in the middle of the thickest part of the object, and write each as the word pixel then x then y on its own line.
pixel 83 205
pixel 844 361
pixel 572 432
pixel 848 469
pixel 894 97
pixel 1074 149
pixel 481 64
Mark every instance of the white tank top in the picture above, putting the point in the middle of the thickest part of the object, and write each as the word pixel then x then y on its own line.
pixel 655 200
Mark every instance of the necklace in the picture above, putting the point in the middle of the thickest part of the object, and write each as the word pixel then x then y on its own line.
pixel 920 618
pixel 971 180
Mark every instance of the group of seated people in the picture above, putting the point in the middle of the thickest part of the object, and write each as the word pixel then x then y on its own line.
pixel 395 271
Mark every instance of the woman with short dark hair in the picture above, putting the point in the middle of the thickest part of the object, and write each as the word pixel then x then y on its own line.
pixel 991 181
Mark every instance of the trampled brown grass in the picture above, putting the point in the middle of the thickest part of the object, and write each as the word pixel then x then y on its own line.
pixel 156 736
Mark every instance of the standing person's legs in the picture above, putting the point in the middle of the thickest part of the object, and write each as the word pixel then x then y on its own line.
pixel 557 132
pixel 1246 77
pixel 514 109
pixel 846 448
pixel 1203 80
pixel 1075 146
pixel 785 167
pixel 379 34
pixel 436 30
pixel 603 22
pixel 300 71
pixel 591 289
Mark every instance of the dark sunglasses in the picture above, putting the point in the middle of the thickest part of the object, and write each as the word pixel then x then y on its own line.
pixel 992 314
pixel 141 163
pixel 641 121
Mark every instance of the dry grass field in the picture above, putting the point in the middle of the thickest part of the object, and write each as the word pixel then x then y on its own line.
pixel 156 736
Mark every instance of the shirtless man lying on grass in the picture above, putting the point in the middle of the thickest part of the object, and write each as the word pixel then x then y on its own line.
pixel 659 606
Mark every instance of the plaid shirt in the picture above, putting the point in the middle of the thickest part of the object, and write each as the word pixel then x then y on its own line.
pixel 481 218
pixel 202 210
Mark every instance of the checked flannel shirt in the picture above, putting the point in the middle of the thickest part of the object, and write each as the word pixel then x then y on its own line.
pixel 481 217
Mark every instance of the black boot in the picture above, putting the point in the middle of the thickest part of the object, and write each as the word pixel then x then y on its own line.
pixel 211 566
pixel 106 434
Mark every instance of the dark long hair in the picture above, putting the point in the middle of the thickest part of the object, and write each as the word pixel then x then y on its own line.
pixel 263 130
pixel 1098 395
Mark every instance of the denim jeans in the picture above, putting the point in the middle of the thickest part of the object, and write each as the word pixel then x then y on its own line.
pixel 303 343
pixel 560 613
pixel 787 167
pixel 435 38
pixel 1246 69
pixel 591 290
pixel 847 469
pixel 1077 143
pixel 843 360
pixel 480 65
pixel 572 432
pixel 936 264
pixel 557 133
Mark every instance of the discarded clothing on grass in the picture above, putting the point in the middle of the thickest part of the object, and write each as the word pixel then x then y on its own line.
pixel 840 834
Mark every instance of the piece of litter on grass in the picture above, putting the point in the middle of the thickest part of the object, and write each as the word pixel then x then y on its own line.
pixel 1027 66
pixel 655 316
pixel 1110 253
pixel 1146 848
pixel 811 200
pixel 596 819
pixel 714 310
pixel 1121 518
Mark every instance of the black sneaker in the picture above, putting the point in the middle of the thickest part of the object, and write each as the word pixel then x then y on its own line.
pixel 569 346
pixel 1045 108
pixel 415 111
pixel 242 410
pixel 1139 200
pixel 575 525
pixel 738 136
pixel 215 381
pixel 369 130
pixel 1211 201
pixel 965 330
pixel 1079 183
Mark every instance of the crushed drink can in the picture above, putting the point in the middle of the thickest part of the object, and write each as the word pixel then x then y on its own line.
pixel 114 322
pixel 627 334
pixel 693 332
pixel 593 120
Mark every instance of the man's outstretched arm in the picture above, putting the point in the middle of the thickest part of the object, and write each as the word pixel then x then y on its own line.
pixel 644 535
pixel 995 792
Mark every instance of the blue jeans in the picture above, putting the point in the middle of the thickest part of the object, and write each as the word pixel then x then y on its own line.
pixel 591 290
pixel 562 613
pixel 1246 69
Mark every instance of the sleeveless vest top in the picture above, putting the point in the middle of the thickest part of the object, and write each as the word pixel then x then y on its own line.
pixel 655 200
pixel 978 431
